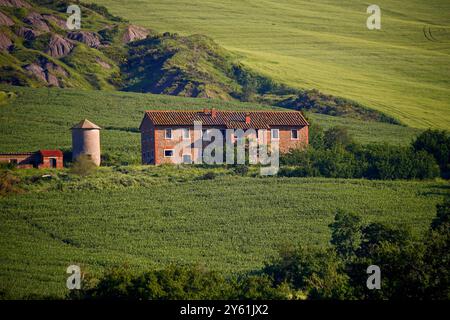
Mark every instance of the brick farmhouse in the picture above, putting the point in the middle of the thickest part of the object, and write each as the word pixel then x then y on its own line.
pixel 39 159
pixel 161 131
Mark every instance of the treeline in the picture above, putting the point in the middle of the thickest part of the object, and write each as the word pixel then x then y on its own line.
pixel 334 154
pixel 318 102
pixel 411 268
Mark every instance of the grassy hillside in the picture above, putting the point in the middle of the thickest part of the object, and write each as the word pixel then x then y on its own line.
pixel 109 53
pixel 34 119
pixel 325 44
pixel 152 216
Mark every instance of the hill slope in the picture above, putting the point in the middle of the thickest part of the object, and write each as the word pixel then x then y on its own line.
pixel 37 49
pixel 325 45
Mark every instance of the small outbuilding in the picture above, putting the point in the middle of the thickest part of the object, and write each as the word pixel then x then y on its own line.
pixel 39 159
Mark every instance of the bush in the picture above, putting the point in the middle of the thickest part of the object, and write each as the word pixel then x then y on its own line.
pixel 83 166
pixel 9 184
pixel 336 137
pixel 388 162
pixel 345 233
pixel 339 157
pixel 241 169
pixel 437 144
pixel 176 282
pixel 317 273
pixel 211 175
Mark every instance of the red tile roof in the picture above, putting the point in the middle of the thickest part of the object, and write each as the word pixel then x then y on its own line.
pixel 227 119
pixel 51 153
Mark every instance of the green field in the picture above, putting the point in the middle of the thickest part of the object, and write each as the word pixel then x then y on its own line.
pixel 147 217
pixel 41 118
pixel 325 45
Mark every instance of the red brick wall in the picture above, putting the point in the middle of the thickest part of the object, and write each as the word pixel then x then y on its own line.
pixel 147 142
pixel 153 141
pixel 45 162
pixel 31 160
pixel 24 160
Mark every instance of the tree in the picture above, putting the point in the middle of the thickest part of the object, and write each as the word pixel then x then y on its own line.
pixel 316 135
pixel 346 233
pixel 437 143
pixel 311 273
pixel 337 136
pixel 437 254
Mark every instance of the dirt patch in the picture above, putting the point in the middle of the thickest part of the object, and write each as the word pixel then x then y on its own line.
pixel 133 33
pixel 35 20
pixel 15 3
pixel 5 20
pixel 89 38
pixel 27 33
pixel 59 46
pixel 5 42
pixel 47 72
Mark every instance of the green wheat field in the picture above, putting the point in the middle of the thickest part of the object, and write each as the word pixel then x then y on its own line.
pixel 148 217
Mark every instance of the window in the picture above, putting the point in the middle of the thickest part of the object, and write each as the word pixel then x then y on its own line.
pixel 186 133
pixel 168 133
pixel 294 134
pixel 168 153
pixel 13 161
pixel 275 134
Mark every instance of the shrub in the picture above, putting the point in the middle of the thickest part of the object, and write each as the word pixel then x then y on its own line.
pixel 241 169
pixel 390 162
pixel 83 166
pixel 356 161
pixel 346 233
pixel 176 282
pixel 9 184
pixel 211 175
pixel 336 137
pixel 316 272
pixel 436 143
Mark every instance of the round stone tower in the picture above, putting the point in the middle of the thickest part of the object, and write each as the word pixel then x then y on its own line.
pixel 86 140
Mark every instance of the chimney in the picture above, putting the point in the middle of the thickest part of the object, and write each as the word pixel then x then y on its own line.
pixel 247 118
pixel 213 113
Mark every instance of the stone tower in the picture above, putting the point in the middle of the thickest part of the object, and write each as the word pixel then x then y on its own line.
pixel 86 140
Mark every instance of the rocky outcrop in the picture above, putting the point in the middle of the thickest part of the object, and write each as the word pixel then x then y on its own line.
pixel 27 33
pixel 5 20
pixel 133 33
pixel 89 38
pixel 59 46
pixel 15 3
pixel 56 20
pixel 47 72
pixel 5 42
pixel 37 21
pixel 37 71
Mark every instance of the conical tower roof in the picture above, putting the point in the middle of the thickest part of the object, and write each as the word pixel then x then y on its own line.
pixel 86 124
